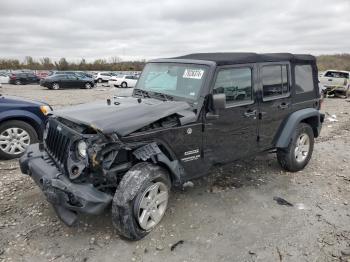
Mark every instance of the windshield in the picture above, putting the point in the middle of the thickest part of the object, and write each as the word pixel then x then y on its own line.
pixel 181 80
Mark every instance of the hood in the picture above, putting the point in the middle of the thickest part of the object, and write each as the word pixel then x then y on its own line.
pixel 20 101
pixel 125 114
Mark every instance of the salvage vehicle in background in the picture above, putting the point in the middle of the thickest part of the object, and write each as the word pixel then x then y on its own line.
pixel 58 81
pixel 336 82
pixel 23 78
pixel 21 124
pixel 123 81
pixel 182 119
pixel 4 78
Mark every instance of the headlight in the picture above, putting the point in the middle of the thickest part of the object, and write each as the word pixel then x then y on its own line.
pixel 45 110
pixel 82 148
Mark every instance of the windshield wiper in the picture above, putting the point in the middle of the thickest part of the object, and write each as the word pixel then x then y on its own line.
pixel 152 94
pixel 143 93
pixel 164 96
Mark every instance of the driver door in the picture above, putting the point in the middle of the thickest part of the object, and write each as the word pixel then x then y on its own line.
pixel 233 134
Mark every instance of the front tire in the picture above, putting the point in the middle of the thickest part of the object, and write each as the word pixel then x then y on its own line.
pixel 99 80
pixel 140 200
pixel 15 137
pixel 124 85
pixel 55 86
pixel 299 152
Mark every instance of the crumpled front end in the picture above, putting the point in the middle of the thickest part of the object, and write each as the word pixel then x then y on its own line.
pixel 67 197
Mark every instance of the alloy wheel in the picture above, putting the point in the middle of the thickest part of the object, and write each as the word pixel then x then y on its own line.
pixel 55 86
pixel 302 148
pixel 152 205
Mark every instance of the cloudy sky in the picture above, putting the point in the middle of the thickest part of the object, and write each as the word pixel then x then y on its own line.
pixel 144 29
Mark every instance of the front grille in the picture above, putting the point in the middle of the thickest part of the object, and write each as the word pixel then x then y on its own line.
pixel 57 142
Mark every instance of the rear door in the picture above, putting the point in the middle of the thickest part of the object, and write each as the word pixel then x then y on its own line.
pixel 131 80
pixel 234 134
pixel 274 101
pixel 32 78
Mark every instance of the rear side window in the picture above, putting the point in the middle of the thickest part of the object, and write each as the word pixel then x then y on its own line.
pixel 303 79
pixel 275 80
pixel 235 83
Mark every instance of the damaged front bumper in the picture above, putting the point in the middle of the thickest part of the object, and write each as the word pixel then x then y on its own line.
pixel 68 198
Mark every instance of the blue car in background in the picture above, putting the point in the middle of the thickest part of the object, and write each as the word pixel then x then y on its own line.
pixel 22 123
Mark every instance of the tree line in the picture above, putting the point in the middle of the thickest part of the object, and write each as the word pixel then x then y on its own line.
pixel 324 62
pixel 338 62
pixel 46 63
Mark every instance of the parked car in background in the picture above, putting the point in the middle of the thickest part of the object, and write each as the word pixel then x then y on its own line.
pixel 336 82
pixel 21 124
pixel 102 77
pixel 42 74
pixel 4 78
pixel 123 81
pixel 58 81
pixel 23 78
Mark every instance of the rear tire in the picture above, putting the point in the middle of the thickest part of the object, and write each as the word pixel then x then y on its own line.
pixel 140 200
pixel 17 135
pixel 99 80
pixel 18 82
pixel 88 85
pixel 124 85
pixel 298 154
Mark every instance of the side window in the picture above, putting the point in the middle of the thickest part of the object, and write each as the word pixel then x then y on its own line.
pixel 71 77
pixel 329 74
pixel 303 79
pixel 235 83
pixel 128 77
pixel 275 80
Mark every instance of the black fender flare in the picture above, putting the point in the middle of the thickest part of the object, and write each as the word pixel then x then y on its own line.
pixel 151 151
pixel 309 115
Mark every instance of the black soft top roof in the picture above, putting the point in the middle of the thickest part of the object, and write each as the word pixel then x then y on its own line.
pixel 241 58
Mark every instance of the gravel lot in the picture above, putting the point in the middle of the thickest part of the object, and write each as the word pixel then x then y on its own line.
pixel 228 216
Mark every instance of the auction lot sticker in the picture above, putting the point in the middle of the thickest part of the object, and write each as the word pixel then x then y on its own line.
pixel 193 73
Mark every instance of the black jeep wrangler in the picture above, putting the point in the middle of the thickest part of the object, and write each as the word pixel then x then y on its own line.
pixel 185 115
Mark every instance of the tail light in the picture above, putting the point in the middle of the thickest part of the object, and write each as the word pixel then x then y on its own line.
pixel 12 76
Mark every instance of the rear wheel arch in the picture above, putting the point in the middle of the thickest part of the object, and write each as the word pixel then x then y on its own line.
pixel 308 116
pixel 313 122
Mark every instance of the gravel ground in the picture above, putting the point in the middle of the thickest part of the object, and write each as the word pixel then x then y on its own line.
pixel 229 215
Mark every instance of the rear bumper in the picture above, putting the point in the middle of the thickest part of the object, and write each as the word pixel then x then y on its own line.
pixel 67 198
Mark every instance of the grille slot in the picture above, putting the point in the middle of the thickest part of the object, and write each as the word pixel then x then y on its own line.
pixel 57 143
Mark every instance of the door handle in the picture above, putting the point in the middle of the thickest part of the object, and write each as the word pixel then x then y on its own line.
pixel 330 80
pixel 250 113
pixel 283 105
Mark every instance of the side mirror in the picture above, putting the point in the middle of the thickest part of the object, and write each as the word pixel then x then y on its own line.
pixel 216 102
pixel 219 101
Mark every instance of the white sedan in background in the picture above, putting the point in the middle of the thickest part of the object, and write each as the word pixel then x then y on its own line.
pixel 123 81
pixel 4 78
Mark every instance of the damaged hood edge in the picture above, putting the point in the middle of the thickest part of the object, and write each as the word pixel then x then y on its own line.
pixel 126 115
